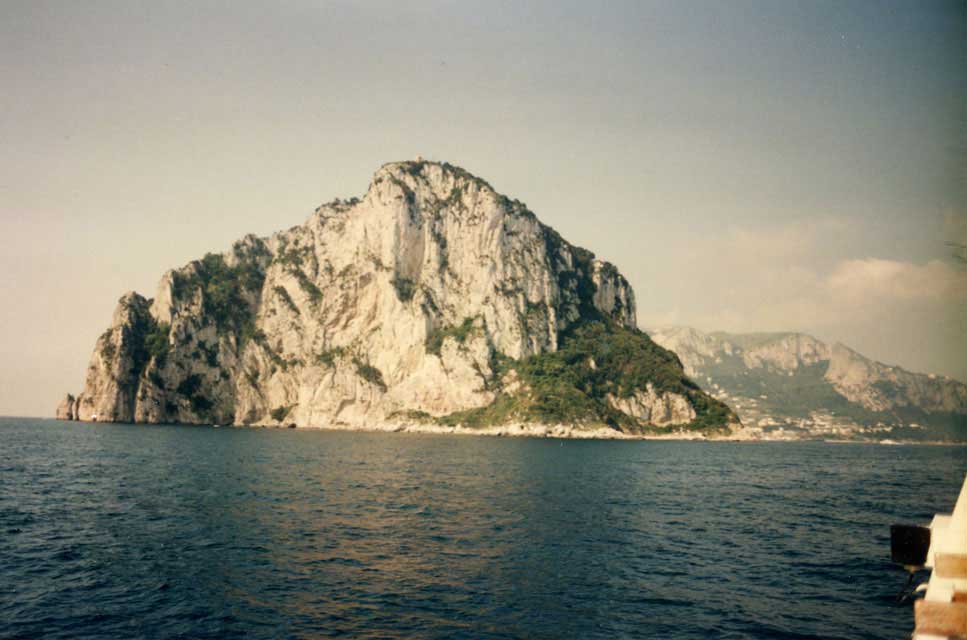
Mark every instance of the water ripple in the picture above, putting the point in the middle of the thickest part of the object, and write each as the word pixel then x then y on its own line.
pixel 117 531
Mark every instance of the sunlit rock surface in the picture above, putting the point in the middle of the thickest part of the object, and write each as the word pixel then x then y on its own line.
pixel 398 306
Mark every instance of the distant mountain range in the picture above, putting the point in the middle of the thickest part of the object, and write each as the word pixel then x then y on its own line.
pixel 794 385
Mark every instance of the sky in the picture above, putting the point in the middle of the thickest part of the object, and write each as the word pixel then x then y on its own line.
pixel 749 166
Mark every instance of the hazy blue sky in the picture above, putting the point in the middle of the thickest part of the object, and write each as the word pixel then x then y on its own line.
pixel 748 165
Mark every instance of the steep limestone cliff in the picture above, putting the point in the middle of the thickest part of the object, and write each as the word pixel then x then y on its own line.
pixel 432 299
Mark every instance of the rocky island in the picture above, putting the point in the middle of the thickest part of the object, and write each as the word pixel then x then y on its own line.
pixel 433 303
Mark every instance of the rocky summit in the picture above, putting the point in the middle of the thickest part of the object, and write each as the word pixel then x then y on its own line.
pixel 433 302
pixel 792 385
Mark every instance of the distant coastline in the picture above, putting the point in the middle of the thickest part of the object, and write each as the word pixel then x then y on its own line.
pixel 538 431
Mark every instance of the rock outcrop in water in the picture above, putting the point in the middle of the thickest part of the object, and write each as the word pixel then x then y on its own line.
pixel 66 409
pixel 803 386
pixel 432 300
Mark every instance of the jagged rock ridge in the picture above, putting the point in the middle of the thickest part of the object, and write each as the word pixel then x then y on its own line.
pixel 433 299
pixel 795 380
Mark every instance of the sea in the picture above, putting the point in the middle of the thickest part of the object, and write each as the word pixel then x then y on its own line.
pixel 132 531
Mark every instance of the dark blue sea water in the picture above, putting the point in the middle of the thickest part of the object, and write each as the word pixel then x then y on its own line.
pixel 119 531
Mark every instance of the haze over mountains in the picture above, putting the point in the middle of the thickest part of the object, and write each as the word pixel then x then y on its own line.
pixel 794 385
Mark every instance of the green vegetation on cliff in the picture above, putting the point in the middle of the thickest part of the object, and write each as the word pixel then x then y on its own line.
pixel 595 359
pixel 369 373
pixel 405 288
pixel 434 341
pixel 279 413
pixel 228 291
pixel 286 299
pixel 156 341
pixel 144 338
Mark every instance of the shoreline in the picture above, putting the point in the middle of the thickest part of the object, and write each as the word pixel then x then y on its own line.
pixel 565 432
pixel 514 430
pixel 537 430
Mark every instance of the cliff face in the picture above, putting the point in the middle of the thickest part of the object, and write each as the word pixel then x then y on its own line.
pixel 432 298
pixel 792 379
